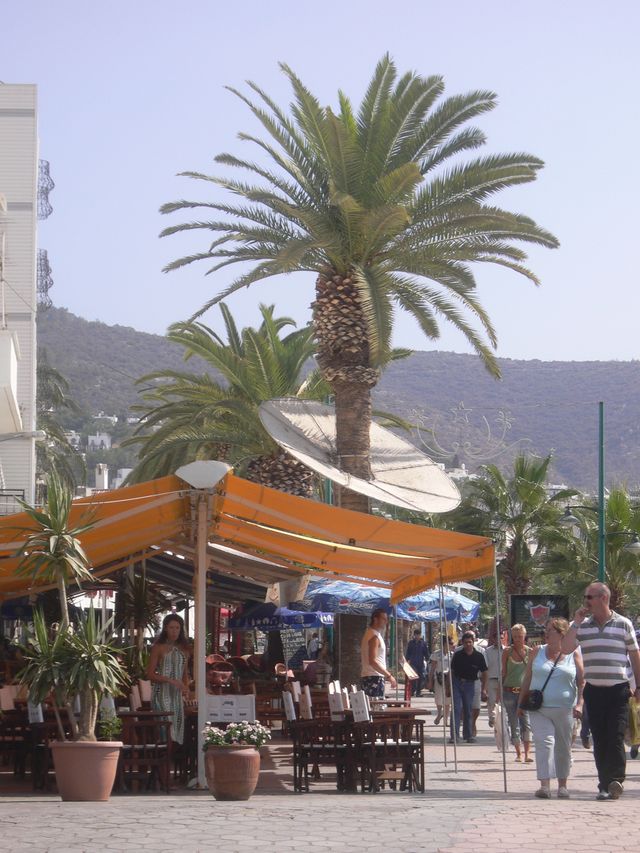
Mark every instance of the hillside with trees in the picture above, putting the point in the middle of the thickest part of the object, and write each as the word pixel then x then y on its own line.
pixel 551 406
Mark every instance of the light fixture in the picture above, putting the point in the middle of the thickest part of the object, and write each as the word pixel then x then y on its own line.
pixel 568 519
pixel 633 547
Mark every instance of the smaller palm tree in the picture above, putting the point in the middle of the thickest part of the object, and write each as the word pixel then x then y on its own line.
pixel 215 415
pixel 517 512
pixel 52 552
pixel 571 555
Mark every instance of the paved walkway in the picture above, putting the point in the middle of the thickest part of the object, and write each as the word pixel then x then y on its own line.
pixel 460 813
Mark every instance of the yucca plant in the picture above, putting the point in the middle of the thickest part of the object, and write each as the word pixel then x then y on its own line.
pixel 44 669
pixel 92 670
pixel 52 552
pixel 69 663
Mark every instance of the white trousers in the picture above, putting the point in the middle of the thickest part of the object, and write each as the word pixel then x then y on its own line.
pixel 552 730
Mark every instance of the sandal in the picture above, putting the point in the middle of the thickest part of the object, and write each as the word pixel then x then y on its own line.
pixel 437 720
pixel 528 760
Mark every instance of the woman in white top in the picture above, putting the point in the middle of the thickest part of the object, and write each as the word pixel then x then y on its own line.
pixel 373 657
pixel 561 678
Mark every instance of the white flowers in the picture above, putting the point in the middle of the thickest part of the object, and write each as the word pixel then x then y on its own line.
pixel 252 734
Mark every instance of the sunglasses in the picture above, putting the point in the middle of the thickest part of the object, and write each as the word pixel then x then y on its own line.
pixel 589 597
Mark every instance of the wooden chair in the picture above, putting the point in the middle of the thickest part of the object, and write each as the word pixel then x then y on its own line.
pixel 318 743
pixel 146 754
pixel 15 740
pixel 390 751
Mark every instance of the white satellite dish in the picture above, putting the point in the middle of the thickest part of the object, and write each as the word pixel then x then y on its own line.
pixel 401 474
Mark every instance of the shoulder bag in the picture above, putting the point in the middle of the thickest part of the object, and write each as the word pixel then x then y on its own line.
pixel 532 700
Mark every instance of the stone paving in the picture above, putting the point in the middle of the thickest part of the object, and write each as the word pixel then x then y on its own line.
pixel 461 812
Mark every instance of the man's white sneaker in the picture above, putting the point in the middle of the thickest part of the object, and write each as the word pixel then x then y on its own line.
pixel 603 795
pixel 615 790
pixel 563 794
pixel 543 794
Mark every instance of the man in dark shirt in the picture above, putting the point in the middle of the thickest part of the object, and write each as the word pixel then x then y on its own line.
pixel 417 654
pixel 467 663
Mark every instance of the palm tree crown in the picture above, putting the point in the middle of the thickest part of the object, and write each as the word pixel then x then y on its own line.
pixel 363 200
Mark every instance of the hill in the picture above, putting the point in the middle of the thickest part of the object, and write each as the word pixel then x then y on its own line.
pixel 550 405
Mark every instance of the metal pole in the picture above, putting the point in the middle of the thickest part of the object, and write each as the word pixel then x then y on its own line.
pixel 200 667
pixel 602 569
pixel 454 732
pixel 500 691
pixel 444 691
pixel 397 658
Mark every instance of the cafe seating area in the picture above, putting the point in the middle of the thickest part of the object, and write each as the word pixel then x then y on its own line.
pixel 369 744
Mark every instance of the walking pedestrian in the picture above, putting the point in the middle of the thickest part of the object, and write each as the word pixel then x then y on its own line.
pixel 560 677
pixel 608 642
pixel 514 664
pixel 373 657
pixel 467 665
pixel 417 655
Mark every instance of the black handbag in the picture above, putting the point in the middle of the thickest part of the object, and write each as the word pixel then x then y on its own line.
pixel 532 701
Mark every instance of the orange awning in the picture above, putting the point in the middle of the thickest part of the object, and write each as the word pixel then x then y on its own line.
pixel 294 533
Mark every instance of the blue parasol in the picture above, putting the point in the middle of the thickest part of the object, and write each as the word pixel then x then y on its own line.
pixel 341 597
pixel 268 617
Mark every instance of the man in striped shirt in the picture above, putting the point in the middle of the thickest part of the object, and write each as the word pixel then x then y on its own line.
pixel 608 642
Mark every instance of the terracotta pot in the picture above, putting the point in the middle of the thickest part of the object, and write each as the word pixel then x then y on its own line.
pixel 232 771
pixel 85 770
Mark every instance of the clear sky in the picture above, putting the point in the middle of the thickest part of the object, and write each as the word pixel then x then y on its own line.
pixel 132 92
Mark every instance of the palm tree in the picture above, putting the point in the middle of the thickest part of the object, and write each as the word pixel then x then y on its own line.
pixel 518 513
pixel 571 556
pixel 362 200
pixel 195 416
pixel 52 552
pixel 55 453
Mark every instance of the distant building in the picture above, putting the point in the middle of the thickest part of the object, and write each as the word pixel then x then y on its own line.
pixel 73 438
pixel 18 293
pixel 102 477
pixel 99 441
pixel 121 476
pixel 102 417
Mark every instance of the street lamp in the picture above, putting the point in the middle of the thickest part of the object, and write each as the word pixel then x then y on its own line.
pixel 632 547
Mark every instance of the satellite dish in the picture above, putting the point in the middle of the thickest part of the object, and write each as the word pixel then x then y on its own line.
pixel 401 474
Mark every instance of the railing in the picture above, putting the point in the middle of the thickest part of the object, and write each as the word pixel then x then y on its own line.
pixel 9 501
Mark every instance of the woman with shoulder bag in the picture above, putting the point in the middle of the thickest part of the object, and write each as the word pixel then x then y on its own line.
pixel 514 664
pixel 560 679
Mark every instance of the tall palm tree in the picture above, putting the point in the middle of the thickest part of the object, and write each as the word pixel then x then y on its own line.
pixel 195 416
pixel 571 555
pixel 518 513
pixel 52 551
pixel 55 453
pixel 362 200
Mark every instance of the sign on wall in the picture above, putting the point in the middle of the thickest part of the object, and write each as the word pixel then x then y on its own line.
pixel 534 611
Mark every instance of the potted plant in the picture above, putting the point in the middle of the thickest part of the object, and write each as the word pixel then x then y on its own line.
pixel 64 665
pixel 68 664
pixel 232 758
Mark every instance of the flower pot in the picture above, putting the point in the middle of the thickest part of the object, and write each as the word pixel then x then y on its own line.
pixel 85 770
pixel 232 771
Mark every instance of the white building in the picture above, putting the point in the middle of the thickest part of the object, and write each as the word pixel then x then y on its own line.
pixel 18 300
pixel 99 441
pixel 121 476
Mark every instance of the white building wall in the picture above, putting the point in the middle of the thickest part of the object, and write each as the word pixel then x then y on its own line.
pixel 19 185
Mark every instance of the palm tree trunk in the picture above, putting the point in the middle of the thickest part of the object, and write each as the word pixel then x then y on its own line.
pixel 343 357
pixel 353 420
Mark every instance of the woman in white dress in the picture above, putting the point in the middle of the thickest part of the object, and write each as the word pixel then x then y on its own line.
pixel 438 680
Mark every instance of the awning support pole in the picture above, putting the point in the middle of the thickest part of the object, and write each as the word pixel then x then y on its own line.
pixel 444 692
pixel 199 665
pixel 500 691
